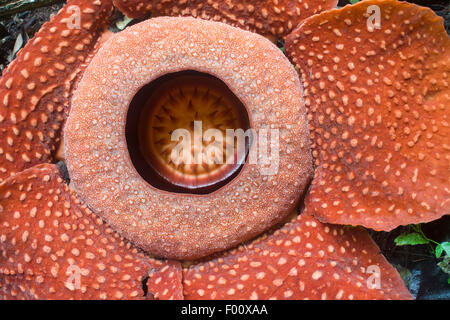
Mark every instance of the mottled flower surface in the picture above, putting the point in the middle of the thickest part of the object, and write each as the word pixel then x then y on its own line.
pixel 365 118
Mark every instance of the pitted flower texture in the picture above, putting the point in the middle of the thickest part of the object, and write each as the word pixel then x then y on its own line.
pixel 53 247
pixel 174 225
pixel 378 108
pixel 377 104
pixel 36 87
pixel 266 17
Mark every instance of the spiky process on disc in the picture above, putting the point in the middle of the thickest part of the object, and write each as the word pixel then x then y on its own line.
pixel 36 87
pixel 305 259
pixel 266 17
pixel 53 247
pixel 195 104
pixel 378 106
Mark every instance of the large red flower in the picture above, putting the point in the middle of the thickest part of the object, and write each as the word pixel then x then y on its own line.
pixel 366 90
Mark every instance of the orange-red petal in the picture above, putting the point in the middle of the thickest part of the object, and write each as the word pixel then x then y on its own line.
pixel 35 88
pixel 267 17
pixel 305 259
pixel 378 106
pixel 53 247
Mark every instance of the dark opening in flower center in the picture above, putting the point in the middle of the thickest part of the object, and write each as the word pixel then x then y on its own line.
pixel 184 133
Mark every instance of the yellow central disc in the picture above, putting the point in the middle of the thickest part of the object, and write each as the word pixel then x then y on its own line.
pixel 183 131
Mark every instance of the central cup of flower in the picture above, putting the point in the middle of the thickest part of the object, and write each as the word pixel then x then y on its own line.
pixel 147 136
pixel 187 132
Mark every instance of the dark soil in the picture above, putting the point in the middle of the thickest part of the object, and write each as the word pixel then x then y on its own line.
pixel 25 24
pixel 416 264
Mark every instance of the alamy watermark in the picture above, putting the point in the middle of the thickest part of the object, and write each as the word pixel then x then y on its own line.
pixel 263 147
pixel 374 280
pixel 374 20
pixel 74 278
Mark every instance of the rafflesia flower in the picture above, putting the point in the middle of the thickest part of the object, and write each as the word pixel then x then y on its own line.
pixel 190 144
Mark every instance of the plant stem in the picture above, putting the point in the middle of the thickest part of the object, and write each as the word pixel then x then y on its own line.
pixel 418 228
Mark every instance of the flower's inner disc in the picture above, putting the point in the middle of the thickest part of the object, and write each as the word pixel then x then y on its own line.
pixel 187 133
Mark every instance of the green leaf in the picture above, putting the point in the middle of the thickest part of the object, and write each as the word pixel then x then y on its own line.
pixel 410 239
pixel 438 251
pixel 353 1
pixel 446 247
